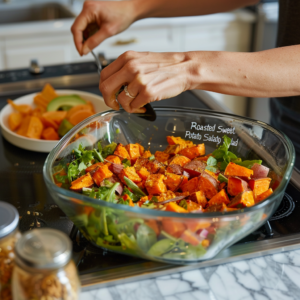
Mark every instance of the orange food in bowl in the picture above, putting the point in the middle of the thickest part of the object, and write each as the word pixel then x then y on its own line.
pixel 38 123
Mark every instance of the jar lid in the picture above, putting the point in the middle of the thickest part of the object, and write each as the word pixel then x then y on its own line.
pixel 9 219
pixel 43 248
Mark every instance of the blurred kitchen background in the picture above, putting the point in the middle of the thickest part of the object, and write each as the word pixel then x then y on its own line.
pixel 40 30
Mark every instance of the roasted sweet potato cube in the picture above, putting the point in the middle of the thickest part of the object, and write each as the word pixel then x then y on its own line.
pixel 140 163
pixel 259 186
pixel 143 173
pixel 141 185
pixel 161 156
pixel 191 186
pixel 172 140
pixel 155 184
pixel 85 181
pixel 233 169
pixel 146 154
pixel 130 173
pixel 199 197
pixel 194 151
pixel 192 206
pixel 101 174
pixel 245 199
pixel 142 149
pixel 172 206
pixel 154 166
pixel 114 159
pixel 165 196
pixel 173 181
pixel 179 160
pixel 121 151
pixel 174 149
pixel 133 151
pixel 94 166
pixel 219 198
pixel 263 195
pixel 190 237
pixel 173 227
pixel 184 181
pixel 208 185
pixel 236 186
pixel 222 186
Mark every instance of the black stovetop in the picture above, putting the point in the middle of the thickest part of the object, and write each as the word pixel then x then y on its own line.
pixel 22 185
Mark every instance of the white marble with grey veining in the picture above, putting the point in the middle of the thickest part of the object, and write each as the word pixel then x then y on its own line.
pixel 270 277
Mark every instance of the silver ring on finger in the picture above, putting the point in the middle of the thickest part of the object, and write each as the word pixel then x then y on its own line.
pixel 127 93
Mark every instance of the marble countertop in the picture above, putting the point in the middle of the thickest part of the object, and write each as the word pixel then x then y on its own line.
pixel 270 277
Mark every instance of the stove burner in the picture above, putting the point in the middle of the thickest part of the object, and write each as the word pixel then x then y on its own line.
pixel 285 209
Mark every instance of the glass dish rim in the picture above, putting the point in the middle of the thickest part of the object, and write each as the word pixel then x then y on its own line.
pixel 156 213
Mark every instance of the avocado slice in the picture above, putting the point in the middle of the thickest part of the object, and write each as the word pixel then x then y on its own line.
pixel 64 127
pixel 68 100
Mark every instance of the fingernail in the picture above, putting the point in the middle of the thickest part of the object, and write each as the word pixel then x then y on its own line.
pixel 85 50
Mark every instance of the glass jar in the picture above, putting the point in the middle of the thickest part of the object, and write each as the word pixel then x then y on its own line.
pixel 9 234
pixel 44 269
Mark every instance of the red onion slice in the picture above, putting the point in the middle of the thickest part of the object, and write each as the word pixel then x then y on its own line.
pixel 116 168
pixel 192 173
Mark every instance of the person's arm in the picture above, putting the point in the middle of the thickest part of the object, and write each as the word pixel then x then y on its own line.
pixel 156 76
pixel 114 17
pixel 175 8
pixel 270 73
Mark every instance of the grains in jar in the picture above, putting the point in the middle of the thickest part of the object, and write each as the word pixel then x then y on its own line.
pixel 44 269
pixel 9 234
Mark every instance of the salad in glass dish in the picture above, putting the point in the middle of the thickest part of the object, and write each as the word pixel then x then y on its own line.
pixel 179 189
pixel 181 179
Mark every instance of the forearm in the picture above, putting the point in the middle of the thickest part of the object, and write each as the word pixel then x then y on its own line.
pixel 174 8
pixel 271 73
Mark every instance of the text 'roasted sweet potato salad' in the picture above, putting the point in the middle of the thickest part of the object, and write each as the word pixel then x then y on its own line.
pixel 179 179
pixel 50 117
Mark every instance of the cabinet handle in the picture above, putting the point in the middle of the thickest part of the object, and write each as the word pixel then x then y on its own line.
pixel 125 42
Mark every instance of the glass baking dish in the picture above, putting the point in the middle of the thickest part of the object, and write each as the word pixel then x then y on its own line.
pixel 99 220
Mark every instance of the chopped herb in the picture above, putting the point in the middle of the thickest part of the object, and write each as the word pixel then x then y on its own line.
pixel 109 149
pixel 249 163
pixel 212 164
pixel 126 163
pixel 222 178
pixel 154 199
pixel 152 157
pixel 183 204
pixel 134 187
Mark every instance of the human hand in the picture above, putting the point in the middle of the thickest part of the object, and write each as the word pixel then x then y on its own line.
pixel 149 77
pixel 111 17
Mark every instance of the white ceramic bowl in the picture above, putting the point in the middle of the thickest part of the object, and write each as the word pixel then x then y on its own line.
pixel 35 144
